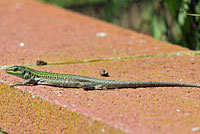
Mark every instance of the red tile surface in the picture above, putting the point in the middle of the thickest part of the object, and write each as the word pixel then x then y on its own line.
pixel 53 34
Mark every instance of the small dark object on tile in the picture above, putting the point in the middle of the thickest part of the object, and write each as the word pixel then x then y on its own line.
pixel 103 73
pixel 41 63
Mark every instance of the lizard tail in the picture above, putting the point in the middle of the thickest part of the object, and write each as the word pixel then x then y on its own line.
pixel 137 84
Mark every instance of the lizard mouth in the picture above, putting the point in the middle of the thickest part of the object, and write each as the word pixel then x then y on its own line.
pixel 8 70
pixel 11 71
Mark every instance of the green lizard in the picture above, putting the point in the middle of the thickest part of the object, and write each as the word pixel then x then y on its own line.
pixel 35 77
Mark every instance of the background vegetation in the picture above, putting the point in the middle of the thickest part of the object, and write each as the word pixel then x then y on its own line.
pixel 163 19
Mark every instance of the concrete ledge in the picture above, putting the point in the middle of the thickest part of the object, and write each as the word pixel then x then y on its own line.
pixel 22 112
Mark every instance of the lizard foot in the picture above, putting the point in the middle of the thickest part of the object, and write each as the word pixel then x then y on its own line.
pixel 100 87
pixel 87 86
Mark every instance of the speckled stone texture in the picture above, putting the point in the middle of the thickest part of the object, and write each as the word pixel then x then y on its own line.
pixel 31 31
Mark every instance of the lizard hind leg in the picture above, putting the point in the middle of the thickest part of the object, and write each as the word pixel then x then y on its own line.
pixel 100 87
pixel 89 86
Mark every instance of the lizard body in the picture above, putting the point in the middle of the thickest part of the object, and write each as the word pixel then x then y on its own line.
pixel 35 77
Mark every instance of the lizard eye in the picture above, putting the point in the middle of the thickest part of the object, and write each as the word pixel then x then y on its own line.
pixel 15 70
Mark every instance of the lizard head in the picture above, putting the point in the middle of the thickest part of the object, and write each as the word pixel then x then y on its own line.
pixel 16 70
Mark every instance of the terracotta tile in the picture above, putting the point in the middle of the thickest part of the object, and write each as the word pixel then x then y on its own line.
pixel 31 31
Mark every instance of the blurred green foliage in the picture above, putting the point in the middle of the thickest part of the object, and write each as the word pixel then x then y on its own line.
pixel 163 19
pixel 175 25
pixel 73 3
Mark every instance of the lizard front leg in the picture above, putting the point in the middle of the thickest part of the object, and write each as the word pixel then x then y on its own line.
pixel 22 84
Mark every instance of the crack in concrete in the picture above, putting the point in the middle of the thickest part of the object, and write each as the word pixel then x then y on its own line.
pixel 190 53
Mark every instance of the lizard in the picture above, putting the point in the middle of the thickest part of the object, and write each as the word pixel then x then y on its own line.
pixel 35 77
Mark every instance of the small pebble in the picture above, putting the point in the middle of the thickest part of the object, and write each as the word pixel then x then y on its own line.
pixel 103 73
pixel 59 95
pixel 101 34
pixel 33 96
pixel 73 105
pixel 195 128
pixel 178 54
pixel 186 114
pixel 3 67
pixel 21 44
pixel 55 102
pixel 121 115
